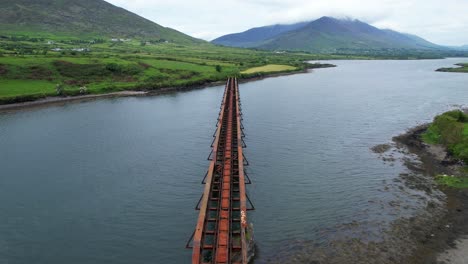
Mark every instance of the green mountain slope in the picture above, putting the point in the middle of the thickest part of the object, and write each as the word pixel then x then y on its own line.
pixel 333 35
pixel 256 36
pixel 80 19
pixel 329 35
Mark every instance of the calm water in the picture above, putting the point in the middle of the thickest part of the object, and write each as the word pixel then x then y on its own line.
pixel 116 181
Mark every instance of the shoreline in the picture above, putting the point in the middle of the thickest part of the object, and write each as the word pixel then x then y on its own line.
pixel 51 101
pixel 461 68
pixel 447 242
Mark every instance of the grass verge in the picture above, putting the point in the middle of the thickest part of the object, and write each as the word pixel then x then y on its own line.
pixel 452 181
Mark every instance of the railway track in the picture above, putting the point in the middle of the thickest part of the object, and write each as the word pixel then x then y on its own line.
pixel 222 234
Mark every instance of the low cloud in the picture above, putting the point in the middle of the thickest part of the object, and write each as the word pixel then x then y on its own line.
pixel 442 22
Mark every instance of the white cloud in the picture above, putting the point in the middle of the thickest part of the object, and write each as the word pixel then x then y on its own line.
pixel 442 22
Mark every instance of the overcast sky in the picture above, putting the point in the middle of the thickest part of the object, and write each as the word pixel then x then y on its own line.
pixel 442 22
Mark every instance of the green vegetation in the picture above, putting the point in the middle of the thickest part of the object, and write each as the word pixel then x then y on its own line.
pixel 329 35
pixel 451 130
pixel 75 20
pixel 452 181
pixel 269 68
pixel 31 67
pixel 11 88
pixel 66 47
pixel 463 68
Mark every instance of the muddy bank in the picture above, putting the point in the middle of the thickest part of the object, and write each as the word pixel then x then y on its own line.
pixel 452 225
pixel 63 100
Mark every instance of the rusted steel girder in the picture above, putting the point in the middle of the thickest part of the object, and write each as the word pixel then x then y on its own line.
pixel 222 234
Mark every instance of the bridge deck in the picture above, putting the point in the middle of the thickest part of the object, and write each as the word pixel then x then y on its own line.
pixel 222 234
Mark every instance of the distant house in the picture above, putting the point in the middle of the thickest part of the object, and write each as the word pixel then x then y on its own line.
pixel 57 49
pixel 50 42
pixel 81 49
pixel 120 40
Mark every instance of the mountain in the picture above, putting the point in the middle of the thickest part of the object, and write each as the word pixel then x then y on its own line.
pixel 255 36
pixel 81 18
pixel 328 35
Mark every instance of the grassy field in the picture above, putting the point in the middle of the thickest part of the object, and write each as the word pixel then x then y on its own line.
pixel 12 88
pixel 31 68
pixel 269 68
pixel 463 67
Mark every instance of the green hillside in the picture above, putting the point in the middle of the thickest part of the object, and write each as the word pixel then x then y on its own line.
pixel 31 68
pixel 68 47
pixel 83 18
pixel 330 35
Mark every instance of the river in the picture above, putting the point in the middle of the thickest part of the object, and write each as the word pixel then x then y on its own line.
pixel 117 180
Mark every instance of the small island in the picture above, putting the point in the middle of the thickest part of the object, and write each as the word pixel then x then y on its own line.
pixel 463 68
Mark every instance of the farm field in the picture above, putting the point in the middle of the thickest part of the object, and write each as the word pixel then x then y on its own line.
pixel 32 68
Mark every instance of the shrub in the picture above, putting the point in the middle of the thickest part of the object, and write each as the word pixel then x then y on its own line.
pixel 124 69
pixel 38 73
pixel 114 67
pixel 461 150
pixel 451 131
pixel 80 71
pixel 21 98
pixel 432 135
pixel 83 90
pixel 144 65
pixel 448 130
pixel 3 70
pixel 458 115
pixel 59 89
pixel 158 77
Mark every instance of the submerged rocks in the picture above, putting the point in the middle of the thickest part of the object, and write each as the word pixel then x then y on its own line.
pixel 382 148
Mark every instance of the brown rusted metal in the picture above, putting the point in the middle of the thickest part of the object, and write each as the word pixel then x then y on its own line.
pixel 221 233
pixel 197 238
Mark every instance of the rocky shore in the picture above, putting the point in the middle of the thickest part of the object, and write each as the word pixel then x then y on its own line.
pixel 448 243
pixel 430 224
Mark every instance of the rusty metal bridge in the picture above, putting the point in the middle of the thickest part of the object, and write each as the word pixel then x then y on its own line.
pixel 222 234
